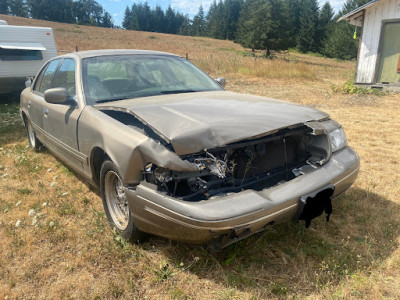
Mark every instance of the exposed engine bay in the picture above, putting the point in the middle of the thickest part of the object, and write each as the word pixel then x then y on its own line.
pixel 251 164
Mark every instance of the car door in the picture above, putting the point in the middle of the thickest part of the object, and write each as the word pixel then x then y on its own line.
pixel 35 104
pixel 60 120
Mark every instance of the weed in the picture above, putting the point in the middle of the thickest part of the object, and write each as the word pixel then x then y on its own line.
pixel 64 169
pixel 118 239
pixel 99 224
pixel 350 88
pixel 5 206
pixel 279 289
pixel 178 294
pixel 152 37
pixel 11 126
pixel 163 272
pixel 85 200
pixel 24 191
pixel 66 209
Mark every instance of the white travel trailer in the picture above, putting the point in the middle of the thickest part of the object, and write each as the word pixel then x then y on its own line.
pixel 23 50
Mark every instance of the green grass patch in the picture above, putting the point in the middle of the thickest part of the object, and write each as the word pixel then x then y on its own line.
pixel 350 88
pixel 11 126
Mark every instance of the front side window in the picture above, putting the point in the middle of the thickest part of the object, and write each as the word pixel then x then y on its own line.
pixel 117 77
pixel 65 76
pixel 18 54
pixel 48 76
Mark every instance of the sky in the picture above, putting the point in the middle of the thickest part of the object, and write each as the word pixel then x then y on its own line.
pixel 117 7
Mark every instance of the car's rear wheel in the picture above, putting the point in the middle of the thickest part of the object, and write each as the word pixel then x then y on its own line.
pixel 33 141
pixel 115 203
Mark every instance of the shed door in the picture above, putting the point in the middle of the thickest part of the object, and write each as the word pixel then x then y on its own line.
pixel 389 64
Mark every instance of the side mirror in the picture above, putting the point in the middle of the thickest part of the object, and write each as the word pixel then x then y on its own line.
pixel 28 82
pixel 58 95
pixel 221 81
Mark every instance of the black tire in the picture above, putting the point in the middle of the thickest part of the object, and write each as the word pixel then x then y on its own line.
pixel 115 204
pixel 33 141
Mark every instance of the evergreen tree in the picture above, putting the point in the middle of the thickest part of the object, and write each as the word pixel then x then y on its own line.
pixel 214 20
pixel 199 23
pixel 340 42
pixel 134 23
pixel 185 28
pixel 170 21
pixel 4 7
pixel 106 20
pixel 293 11
pixel 18 8
pixel 231 11
pixel 325 24
pixel 126 22
pixel 263 25
pixel 145 17
pixel 308 21
pixel 158 19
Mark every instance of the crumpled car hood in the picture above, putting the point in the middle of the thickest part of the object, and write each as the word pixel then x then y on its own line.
pixel 197 121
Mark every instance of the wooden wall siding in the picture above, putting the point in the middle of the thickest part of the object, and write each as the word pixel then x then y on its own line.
pixel 382 10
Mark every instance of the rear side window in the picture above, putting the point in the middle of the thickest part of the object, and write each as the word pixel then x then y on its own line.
pixel 48 75
pixel 65 76
pixel 17 54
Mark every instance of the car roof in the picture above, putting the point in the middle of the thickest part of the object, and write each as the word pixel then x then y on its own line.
pixel 105 52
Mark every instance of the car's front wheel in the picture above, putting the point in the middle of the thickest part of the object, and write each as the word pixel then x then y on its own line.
pixel 116 204
pixel 33 141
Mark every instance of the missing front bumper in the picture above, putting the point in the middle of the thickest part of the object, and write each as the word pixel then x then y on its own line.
pixel 230 218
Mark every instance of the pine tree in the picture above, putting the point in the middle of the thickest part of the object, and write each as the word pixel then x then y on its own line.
pixel 158 19
pixel 18 8
pixel 325 24
pixel 293 11
pixel 214 20
pixel 4 7
pixel 170 25
pixel 232 10
pixel 199 23
pixel 263 25
pixel 185 28
pixel 134 23
pixel 308 21
pixel 126 22
pixel 106 20
pixel 340 42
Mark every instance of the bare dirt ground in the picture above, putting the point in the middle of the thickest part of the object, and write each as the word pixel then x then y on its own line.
pixel 56 242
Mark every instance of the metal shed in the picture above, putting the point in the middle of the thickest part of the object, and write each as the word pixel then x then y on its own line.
pixel 378 60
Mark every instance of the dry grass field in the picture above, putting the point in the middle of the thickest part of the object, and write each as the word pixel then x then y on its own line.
pixel 56 242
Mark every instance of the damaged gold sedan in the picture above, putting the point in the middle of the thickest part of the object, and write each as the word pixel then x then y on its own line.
pixel 176 155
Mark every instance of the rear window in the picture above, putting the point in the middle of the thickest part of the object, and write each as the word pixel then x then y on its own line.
pixel 17 54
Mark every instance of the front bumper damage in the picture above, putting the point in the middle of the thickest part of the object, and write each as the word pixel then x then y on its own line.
pixel 225 219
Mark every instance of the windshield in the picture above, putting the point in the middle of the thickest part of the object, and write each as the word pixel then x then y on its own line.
pixel 111 78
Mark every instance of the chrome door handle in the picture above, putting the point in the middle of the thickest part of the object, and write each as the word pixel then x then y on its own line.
pixel 29 103
pixel 45 111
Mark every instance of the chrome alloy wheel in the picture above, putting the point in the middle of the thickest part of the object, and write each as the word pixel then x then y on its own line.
pixel 116 200
pixel 31 134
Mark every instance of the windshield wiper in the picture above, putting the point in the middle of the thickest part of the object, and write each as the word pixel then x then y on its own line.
pixel 177 91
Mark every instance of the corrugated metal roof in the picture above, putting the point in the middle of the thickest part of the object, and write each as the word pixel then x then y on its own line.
pixel 353 12
pixel 22 46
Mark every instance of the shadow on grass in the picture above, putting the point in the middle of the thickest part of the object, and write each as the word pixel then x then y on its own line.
pixel 12 129
pixel 288 259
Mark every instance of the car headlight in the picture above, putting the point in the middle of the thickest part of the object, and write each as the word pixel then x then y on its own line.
pixel 338 139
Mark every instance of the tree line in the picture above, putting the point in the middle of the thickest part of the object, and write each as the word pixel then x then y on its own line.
pixel 257 24
pixel 84 12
